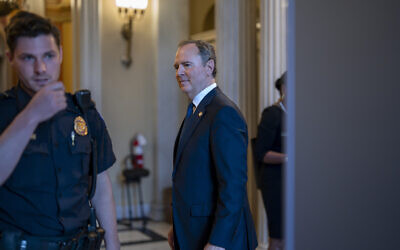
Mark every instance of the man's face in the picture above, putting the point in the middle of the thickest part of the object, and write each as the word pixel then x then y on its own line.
pixel 37 61
pixel 191 74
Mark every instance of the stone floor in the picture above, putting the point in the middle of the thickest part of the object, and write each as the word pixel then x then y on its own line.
pixel 152 239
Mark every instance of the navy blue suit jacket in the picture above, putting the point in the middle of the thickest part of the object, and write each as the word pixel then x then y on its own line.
pixel 210 201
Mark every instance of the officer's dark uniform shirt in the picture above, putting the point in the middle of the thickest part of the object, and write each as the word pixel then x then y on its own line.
pixel 46 195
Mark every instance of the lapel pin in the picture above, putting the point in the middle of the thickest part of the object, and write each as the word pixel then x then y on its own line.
pixel 33 136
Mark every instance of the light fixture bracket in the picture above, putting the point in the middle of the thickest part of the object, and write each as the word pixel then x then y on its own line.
pixel 129 10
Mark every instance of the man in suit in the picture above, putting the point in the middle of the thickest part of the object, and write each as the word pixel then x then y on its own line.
pixel 210 204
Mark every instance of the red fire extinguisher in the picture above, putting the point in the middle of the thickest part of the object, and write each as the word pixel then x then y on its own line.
pixel 137 151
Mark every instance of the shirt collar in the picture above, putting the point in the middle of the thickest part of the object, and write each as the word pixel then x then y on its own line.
pixel 199 97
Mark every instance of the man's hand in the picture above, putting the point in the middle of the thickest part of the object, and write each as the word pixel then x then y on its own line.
pixel 45 103
pixel 212 247
pixel 171 238
pixel 48 101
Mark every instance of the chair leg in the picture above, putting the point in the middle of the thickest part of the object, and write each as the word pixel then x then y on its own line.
pixel 141 205
pixel 129 203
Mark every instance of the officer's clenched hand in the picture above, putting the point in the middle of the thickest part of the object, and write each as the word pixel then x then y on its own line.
pixel 47 102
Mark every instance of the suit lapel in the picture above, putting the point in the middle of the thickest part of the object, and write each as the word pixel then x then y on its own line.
pixel 190 126
pixel 177 142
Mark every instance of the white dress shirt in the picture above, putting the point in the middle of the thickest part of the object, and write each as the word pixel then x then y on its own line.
pixel 199 97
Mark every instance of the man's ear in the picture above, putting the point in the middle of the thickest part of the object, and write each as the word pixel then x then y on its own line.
pixel 210 65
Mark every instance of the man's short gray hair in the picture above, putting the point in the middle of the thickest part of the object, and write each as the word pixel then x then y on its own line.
pixel 206 51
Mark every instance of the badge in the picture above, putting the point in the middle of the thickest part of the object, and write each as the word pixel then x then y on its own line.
pixel 80 126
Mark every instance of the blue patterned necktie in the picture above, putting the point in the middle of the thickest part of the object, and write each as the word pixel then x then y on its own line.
pixel 189 110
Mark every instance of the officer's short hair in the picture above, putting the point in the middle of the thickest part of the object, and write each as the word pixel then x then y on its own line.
pixel 27 24
pixel 206 51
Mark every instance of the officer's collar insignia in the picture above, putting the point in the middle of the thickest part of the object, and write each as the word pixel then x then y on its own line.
pixel 80 126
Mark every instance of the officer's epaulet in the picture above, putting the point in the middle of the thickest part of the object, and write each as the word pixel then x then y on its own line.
pixel 92 104
pixel 71 98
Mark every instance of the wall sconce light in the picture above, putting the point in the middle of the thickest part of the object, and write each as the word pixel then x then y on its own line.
pixel 129 10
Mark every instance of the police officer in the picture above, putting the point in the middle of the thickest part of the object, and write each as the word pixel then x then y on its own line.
pixel 46 146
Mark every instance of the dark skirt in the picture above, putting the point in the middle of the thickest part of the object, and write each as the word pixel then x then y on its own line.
pixel 271 189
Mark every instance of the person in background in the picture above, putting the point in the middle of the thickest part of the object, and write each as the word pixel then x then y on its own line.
pixel 209 195
pixel 47 145
pixel 269 152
